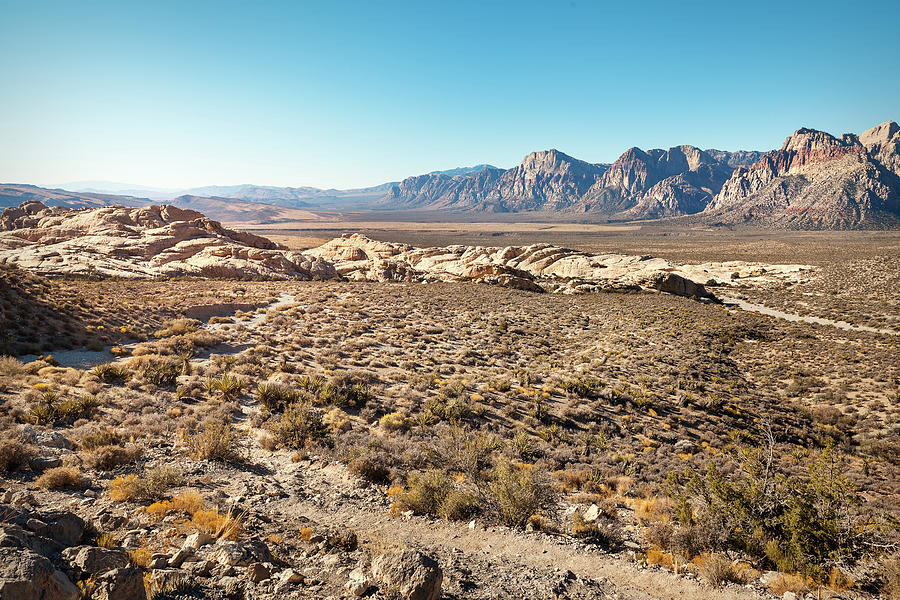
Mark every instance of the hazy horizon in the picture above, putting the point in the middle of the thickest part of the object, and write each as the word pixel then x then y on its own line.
pixel 350 95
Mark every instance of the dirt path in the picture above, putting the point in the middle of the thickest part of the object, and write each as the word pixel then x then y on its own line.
pixel 328 495
pixel 765 310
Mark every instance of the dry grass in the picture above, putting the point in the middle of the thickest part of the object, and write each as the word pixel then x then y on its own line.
pixel 62 478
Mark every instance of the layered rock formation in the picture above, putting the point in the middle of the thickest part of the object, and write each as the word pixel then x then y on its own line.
pixel 539 267
pixel 164 241
pixel 152 241
pixel 818 181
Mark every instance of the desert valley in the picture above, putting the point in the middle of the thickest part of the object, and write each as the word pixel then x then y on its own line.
pixel 676 376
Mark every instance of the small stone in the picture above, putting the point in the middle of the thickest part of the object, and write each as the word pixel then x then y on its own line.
pixel 159 560
pixel 197 540
pixel 258 572
pixel 290 576
pixel 591 514
pixel 179 557
pixel 24 498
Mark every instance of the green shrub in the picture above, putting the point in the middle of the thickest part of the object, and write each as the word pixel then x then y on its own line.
pixel 518 492
pixel 72 409
pixel 102 437
pixel 177 327
pixel 395 421
pixel 226 385
pixel 111 372
pixel 459 506
pixel 584 386
pixel 798 522
pixel 299 424
pixel 161 372
pixel 425 492
pixel 345 391
pixel 216 440
pixel 274 396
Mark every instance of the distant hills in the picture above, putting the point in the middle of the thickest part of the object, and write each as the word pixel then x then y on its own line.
pixel 814 181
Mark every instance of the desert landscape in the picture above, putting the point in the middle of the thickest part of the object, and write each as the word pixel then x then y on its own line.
pixel 532 300
pixel 192 411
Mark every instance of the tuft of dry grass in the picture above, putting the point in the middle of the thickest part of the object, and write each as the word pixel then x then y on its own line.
pixel 718 570
pixel 62 478
pixel 228 525
pixel 788 582
pixel 217 440
pixel 15 452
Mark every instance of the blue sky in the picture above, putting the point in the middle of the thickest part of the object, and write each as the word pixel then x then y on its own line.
pixel 345 94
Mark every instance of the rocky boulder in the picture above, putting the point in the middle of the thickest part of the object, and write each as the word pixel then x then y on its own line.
pixel 414 575
pixel 93 560
pixel 25 575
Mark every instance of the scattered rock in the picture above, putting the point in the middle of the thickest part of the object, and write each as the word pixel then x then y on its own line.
pixel 93 559
pixel 25 575
pixel 258 572
pixel 414 575
pixel 197 540
pixel 120 584
pixel 179 557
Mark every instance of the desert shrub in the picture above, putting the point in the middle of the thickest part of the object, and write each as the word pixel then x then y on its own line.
pixel 788 582
pixel 43 412
pixel 62 478
pixel 124 488
pixel 518 492
pixel 583 385
pixel 425 492
pixel 161 372
pixel 111 372
pixel 890 575
pixel 336 420
pixel 153 484
pixel 174 327
pixel 371 468
pixel 718 570
pixel 10 366
pixel 140 557
pixel 107 458
pixel 797 521
pixel 459 506
pixel 15 452
pixel 274 396
pixel 82 407
pixel 228 386
pixel 345 391
pixel 464 451
pixel 105 436
pixel 188 502
pixel 395 421
pixel 300 424
pixel 216 440
pixel 523 445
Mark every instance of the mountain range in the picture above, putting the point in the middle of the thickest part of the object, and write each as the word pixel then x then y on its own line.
pixel 814 181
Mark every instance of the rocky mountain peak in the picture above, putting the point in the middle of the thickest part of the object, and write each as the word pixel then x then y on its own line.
pixel 880 135
pixel 808 140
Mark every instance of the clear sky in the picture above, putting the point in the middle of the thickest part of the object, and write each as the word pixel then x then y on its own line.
pixel 345 94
